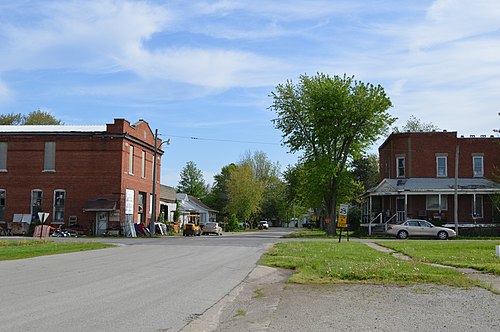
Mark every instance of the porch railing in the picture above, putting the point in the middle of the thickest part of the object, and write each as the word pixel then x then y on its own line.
pixel 380 217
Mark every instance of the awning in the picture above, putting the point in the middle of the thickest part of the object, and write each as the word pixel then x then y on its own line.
pixel 100 204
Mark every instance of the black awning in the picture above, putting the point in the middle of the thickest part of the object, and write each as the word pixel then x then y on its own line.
pixel 100 204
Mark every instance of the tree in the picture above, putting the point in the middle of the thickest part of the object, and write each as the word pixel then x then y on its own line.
pixel 245 193
pixel 11 119
pixel 218 198
pixel 330 120
pixel 267 173
pixel 414 125
pixel 33 118
pixel 192 182
pixel 365 171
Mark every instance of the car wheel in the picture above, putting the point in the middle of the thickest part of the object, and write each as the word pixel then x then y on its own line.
pixel 402 235
pixel 442 235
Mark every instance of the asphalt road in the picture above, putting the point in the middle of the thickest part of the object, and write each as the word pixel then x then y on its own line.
pixel 145 284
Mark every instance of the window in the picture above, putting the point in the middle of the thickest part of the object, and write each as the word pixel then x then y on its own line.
pixel 49 164
pixel 143 163
pixel 131 160
pixel 441 165
pixel 477 166
pixel 477 207
pixel 3 156
pixel 36 203
pixel 400 162
pixel 59 196
pixel 432 202
pixel 2 205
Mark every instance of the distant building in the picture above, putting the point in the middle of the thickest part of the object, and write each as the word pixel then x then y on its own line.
pixel 193 210
pixel 96 177
pixel 419 179
pixel 168 203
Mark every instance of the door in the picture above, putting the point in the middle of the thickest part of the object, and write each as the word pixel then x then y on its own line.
pixel 400 209
pixel 101 222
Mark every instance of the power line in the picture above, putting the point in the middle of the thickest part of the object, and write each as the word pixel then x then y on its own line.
pixel 220 140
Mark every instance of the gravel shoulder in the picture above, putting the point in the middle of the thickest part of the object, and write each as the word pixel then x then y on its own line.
pixel 264 301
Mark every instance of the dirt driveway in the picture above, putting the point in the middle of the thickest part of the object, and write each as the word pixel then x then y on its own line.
pixel 265 302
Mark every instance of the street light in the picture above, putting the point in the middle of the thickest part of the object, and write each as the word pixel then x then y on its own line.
pixel 153 203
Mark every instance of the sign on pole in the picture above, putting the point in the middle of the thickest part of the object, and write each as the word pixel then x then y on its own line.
pixel 43 216
pixel 342 221
pixel 344 208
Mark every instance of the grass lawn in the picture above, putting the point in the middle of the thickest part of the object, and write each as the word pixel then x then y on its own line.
pixel 332 262
pixel 32 248
pixel 479 255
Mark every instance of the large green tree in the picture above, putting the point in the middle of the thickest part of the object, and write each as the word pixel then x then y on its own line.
pixel 330 120
pixel 192 181
pixel 218 197
pixel 33 118
pixel 245 193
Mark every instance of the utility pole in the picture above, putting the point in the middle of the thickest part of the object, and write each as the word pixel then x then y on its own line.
pixel 455 204
pixel 153 203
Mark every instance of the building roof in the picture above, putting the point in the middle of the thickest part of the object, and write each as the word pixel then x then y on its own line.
pixel 426 185
pixel 192 202
pixel 167 193
pixel 51 129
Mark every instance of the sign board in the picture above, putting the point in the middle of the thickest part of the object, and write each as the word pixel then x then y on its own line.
pixel 43 216
pixel 343 209
pixel 342 221
pixel 129 201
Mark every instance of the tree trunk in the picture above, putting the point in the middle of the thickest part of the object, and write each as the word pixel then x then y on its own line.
pixel 331 209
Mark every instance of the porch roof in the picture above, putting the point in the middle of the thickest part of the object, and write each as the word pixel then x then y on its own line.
pixel 433 186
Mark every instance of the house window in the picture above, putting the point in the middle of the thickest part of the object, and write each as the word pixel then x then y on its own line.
pixel 3 156
pixel 2 205
pixel 143 164
pixel 36 203
pixel 477 165
pixel 477 207
pixel 441 165
pixel 432 202
pixel 131 160
pixel 49 164
pixel 59 197
pixel 400 162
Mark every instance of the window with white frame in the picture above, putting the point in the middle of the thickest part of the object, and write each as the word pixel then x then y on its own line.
pixel 36 202
pixel 3 156
pixel 432 203
pixel 49 164
pixel 400 167
pixel 442 166
pixel 143 164
pixel 477 166
pixel 59 199
pixel 2 204
pixel 477 207
pixel 131 160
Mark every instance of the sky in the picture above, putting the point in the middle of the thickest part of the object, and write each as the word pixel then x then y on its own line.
pixel 201 72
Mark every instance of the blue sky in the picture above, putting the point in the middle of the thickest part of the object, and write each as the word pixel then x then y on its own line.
pixel 205 69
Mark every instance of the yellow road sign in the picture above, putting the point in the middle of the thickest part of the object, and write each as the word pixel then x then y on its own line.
pixel 342 221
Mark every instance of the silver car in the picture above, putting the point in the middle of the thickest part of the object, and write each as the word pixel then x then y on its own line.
pixel 416 227
pixel 211 228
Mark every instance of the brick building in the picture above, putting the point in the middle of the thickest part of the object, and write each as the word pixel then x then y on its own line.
pixel 96 177
pixel 420 179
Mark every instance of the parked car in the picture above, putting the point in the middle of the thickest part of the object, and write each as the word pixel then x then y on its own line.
pixel 417 227
pixel 263 224
pixel 211 228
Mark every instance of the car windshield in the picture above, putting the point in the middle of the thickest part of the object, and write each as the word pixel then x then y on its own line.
pixel 210 224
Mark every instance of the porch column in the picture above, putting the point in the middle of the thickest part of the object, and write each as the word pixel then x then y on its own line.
pixel 370 212
pixel 406 206
pixel 439 209
pixel 474 212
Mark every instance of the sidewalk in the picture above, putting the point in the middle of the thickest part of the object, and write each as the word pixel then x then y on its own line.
pixel 265 302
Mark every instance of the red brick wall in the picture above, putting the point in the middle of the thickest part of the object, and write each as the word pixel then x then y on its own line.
pixel 87 167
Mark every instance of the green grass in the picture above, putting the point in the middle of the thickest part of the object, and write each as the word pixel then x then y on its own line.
pixel 32 248
pixel 479 255
pixel 333 262
pixel 315 234
pixel 258 293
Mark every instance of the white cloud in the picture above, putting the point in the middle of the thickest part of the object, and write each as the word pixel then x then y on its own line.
pixel 5 92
